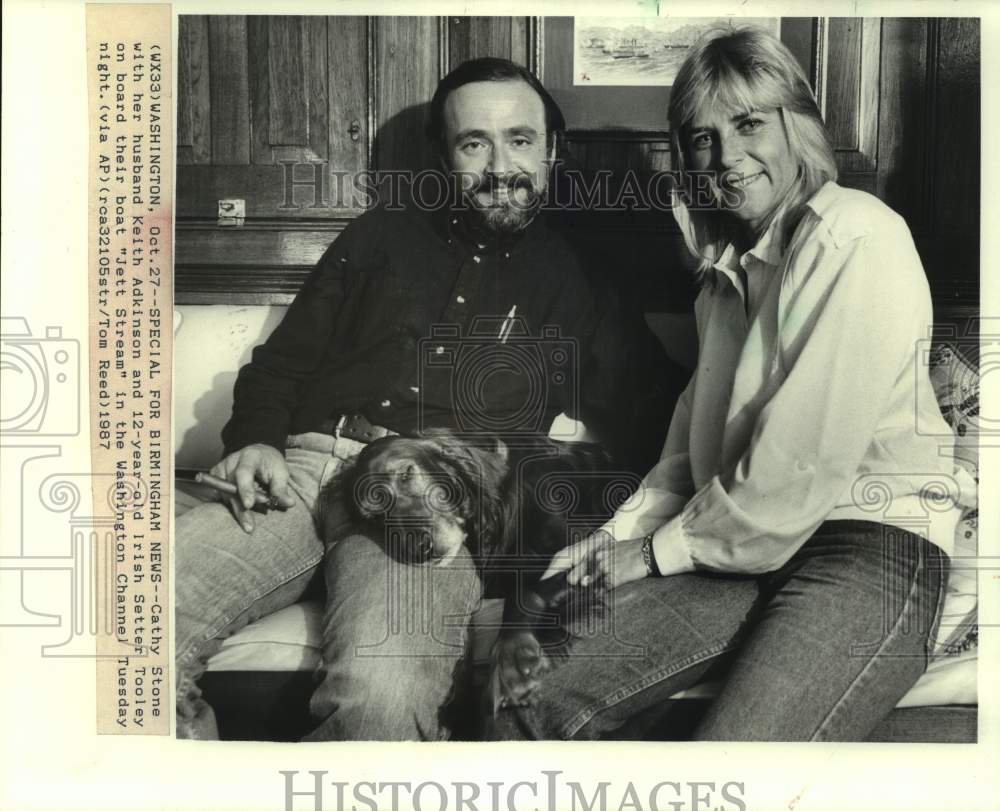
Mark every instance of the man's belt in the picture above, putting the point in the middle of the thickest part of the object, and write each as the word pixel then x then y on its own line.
pixel 356 427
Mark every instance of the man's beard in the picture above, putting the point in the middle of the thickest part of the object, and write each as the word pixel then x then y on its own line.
pixel 505 213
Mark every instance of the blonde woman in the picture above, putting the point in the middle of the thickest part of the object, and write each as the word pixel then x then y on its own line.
pixel 755 552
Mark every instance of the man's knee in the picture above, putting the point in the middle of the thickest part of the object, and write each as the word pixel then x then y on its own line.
pixel 373 599
pixel 394 641
pixel 355 555
pixel 373 694
pixel 403 617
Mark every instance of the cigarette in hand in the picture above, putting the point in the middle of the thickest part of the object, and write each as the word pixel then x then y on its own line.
pixel 223 486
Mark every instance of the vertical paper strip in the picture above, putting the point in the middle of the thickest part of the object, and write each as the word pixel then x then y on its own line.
pixel 129 69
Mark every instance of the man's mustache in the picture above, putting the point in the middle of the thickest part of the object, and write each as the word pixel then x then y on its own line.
pixel 512 181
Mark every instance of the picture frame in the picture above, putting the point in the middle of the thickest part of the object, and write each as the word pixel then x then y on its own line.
pixel 637 109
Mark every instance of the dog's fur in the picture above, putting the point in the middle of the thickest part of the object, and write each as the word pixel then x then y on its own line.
pixel 429 494
pixel 426 495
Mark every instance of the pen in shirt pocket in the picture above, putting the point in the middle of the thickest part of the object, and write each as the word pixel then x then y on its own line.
pixel 507 325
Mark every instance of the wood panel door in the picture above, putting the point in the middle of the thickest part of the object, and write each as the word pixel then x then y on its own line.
pixel 274 114
pixel 507 37
pixel 259 96
pixel 847 87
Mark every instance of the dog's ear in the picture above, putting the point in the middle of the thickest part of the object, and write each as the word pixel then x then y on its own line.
pixel 474 462
pixel 336 508
pixel 494 526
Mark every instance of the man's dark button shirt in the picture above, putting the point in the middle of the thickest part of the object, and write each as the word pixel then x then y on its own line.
pixel 401 321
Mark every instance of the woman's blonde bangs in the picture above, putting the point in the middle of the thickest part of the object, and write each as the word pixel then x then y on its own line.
pixel 724 85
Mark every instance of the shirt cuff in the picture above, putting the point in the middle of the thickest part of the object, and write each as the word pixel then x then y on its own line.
pixel 670 548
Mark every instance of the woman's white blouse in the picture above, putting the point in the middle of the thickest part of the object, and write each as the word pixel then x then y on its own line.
pixel 817 406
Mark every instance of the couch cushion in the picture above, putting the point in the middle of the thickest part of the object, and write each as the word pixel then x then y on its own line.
pixel 955 379
pixel 289 639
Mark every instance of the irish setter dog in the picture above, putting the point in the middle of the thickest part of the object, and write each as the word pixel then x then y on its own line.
pixel 430 493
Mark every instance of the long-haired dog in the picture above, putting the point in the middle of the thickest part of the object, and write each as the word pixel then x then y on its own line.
pixel 426 495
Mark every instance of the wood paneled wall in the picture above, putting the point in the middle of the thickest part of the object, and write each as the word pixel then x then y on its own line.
pixel 260 94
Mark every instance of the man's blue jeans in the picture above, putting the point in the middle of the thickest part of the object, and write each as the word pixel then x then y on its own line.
pixel 393 634
pixel 821 649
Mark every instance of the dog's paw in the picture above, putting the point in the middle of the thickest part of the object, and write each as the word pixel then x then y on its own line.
pixel 518 665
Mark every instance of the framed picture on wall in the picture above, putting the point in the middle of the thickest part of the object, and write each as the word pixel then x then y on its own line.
pixel 630 51
pixel 614 73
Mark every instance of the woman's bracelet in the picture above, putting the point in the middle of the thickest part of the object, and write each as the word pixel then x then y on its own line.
pixel 652 568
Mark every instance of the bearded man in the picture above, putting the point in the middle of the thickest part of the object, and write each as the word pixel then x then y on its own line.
pixel 475 317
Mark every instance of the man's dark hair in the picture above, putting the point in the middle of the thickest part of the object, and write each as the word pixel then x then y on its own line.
pixel 490 69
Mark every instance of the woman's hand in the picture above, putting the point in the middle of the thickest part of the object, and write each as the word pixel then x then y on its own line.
pixel 600 562
pixel 518 664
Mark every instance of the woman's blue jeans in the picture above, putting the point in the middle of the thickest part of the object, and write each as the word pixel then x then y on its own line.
pixel 393 636
pixel 821 649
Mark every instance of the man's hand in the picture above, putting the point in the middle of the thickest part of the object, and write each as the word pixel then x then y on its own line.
pixel 246 467
pixel 518 664
pixel 600 562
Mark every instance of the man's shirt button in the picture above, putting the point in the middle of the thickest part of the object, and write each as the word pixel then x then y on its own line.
pixel 476 259
pixel 385 403
pixel 460 299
